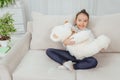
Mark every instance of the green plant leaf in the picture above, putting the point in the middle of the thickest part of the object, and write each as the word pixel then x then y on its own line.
pixel 5 3
pixel 6 25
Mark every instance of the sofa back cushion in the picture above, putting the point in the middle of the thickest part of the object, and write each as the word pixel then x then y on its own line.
pixel 110 26
pixel 43 24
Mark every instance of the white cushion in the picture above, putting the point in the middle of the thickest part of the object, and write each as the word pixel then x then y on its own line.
pixel 110 26
pixel 36 65
pixel 107 69
pixel 42 26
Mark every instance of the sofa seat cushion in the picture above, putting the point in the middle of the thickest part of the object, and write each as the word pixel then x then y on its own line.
pixel 37 66
pixel 107 69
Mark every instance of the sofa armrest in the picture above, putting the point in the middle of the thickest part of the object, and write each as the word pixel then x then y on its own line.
pixel 4 73
pixel 29 26
pixel 17 52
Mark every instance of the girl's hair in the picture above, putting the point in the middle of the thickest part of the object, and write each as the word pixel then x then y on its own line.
pixel 82 11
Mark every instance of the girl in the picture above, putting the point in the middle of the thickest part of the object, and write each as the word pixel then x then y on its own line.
pixel 64 58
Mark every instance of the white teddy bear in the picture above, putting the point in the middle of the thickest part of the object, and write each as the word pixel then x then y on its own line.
pixel 84 46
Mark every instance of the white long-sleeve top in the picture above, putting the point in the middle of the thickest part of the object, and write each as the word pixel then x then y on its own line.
pixel 82 37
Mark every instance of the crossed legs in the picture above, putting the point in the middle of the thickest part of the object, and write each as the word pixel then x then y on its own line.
pixel 62 56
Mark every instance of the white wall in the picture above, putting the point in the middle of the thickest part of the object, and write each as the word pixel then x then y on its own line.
pixel 104 7
pixel 64 7
pixel 58 7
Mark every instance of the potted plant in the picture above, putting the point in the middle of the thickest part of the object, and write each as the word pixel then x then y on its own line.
pixel 5 3
pixel 6 28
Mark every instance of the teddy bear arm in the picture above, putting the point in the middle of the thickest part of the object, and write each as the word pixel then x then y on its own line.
pixel 54 37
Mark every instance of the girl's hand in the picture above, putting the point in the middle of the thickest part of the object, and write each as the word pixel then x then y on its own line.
pixel 68 41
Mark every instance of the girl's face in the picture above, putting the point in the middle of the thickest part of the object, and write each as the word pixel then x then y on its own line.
pixel 81 21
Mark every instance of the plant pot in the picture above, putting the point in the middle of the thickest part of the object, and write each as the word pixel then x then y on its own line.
pixel 4 43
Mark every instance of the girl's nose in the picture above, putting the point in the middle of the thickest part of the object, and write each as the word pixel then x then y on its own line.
pixel 82 24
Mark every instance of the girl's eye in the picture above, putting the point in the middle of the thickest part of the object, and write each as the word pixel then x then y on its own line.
pixel 79 20
pixel 85 21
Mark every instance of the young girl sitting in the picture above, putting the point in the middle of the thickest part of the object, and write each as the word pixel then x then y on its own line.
pixel 63 57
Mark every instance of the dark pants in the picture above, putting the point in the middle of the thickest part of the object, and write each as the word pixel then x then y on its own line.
pixel 62 56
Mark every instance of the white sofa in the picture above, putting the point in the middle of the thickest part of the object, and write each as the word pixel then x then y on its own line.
pixel 27 59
